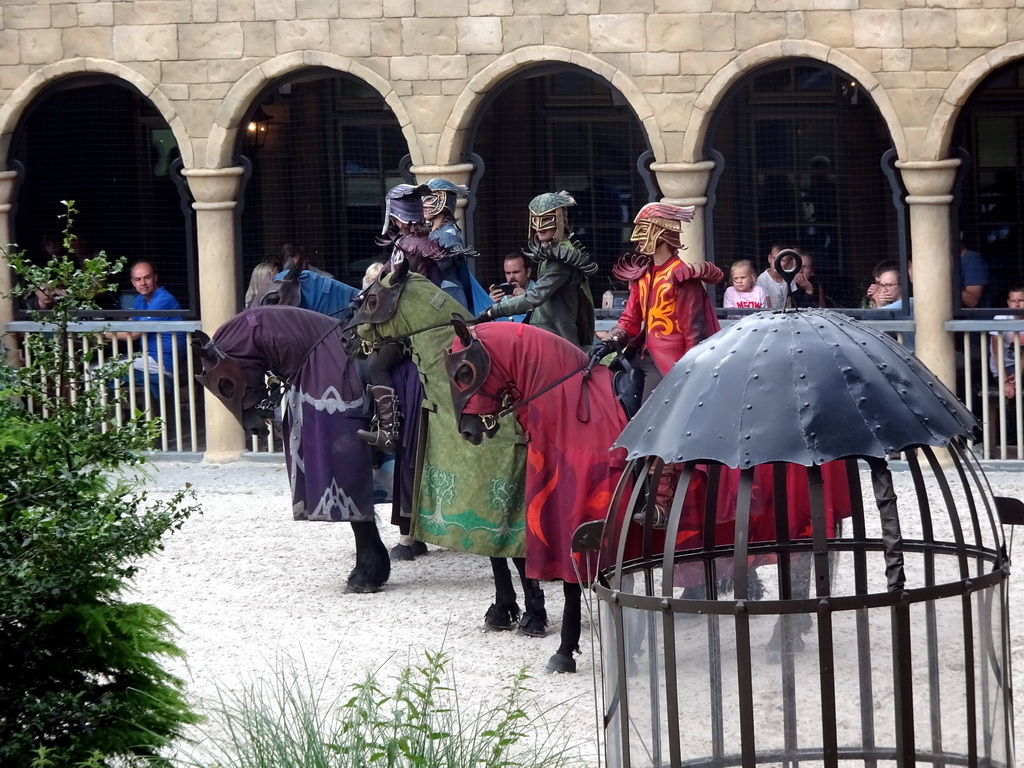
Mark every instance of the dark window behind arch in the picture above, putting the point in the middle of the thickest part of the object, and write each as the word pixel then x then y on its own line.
pixel 990 205
pixel 102 144
pixel 802 145
pixel 330 150
pixel 549 129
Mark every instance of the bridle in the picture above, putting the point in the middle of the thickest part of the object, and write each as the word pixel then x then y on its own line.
pixel 367 347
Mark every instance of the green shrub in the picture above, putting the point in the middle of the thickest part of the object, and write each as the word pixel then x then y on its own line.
pixel 286 723
pixel 80 676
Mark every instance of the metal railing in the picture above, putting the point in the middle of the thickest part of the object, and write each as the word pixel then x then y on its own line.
pixel 986 386
pixel 173 398
pixel 982 381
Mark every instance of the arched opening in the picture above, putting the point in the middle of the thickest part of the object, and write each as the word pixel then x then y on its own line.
pixel 553 128
pixel 799 147
pixel 99 142
pixel 323 148
pixel 989 205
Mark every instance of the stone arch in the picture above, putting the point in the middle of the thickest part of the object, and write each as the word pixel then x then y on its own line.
pixel 22 96
pixel 720 85
pixel 220 145
pixel 480 85
pixel 940 132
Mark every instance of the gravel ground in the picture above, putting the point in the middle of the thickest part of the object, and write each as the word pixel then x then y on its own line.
pixel 249 587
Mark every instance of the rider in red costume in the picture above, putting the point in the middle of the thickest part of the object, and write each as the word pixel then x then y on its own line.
pixel 667 304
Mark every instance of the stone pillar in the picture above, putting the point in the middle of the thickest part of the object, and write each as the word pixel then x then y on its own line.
pixel 929 185
pixel 458 173
pixel 7 179
pixel 687 184
pixel 215 191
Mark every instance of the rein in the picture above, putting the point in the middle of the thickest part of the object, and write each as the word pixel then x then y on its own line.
pixel 311 349
pixel 368 347
pixel 585 400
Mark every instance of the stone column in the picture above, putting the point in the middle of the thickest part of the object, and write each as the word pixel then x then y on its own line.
pixel 687 184
pixel 215 191
pixel 458 173
pixel 7 179
pixel 929 185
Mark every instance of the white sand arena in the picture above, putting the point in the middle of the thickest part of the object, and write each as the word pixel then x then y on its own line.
pixel 249 586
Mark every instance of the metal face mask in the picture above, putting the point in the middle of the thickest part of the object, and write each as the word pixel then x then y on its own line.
pixel 547 211
pixel 443 198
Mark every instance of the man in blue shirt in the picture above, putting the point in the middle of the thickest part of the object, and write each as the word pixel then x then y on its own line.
pixel 152 296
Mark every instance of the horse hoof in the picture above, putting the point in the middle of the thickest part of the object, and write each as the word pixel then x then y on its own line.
pixel 501 618
pixel 359 584
pixel 533 625
pixel 402 553
pixel 561 663
pixel 419 548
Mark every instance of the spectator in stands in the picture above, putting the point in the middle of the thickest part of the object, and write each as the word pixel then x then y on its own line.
pixel 807 291
pixel 518 280
pixel 885 291
pixel 772 282
pixel 262 275
pixel 1003 342
pixel 154 297
pixel 973 278
pixel 744 292
pixel 372 270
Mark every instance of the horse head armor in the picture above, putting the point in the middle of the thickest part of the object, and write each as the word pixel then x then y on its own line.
pixel 468 369
pixel 246 395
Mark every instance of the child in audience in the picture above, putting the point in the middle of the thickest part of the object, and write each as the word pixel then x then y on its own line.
pixel 743 291
pixel 1015 301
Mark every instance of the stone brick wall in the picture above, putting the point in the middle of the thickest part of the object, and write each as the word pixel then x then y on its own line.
pixel 202 61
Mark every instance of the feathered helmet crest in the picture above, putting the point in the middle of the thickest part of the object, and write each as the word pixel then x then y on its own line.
pixel 659 221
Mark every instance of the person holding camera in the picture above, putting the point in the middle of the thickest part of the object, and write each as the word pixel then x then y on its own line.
pixel 518 280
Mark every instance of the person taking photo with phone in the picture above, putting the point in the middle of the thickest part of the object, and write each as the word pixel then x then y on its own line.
pixel 518 280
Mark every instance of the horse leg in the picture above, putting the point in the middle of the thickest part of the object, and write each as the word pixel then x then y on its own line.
pixel 788 636
pixel 504 611
pixel 373 566
pixel 534 622
pixel 572 628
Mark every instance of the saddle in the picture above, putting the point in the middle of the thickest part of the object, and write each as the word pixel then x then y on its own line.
pixel 628 384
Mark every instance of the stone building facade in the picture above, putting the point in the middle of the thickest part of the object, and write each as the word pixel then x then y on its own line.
pixel 203 65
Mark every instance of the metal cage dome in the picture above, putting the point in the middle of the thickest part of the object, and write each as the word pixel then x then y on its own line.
pixel 771 593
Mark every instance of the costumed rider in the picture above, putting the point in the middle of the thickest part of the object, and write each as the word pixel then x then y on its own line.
pixel 439 212
pixel 560 300
pixel 407 232
pixel 405 215
pixel 668 311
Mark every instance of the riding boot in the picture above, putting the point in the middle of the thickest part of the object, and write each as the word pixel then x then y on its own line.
pixel 384 434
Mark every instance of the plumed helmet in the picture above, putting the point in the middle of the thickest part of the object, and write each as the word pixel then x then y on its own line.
pixel 659 221
pixel 442 197
pixel 547 211
pixel 404 203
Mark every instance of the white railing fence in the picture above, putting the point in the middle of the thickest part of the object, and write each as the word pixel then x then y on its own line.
pixel 987 385
pixel 983 381
pixel 174 397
